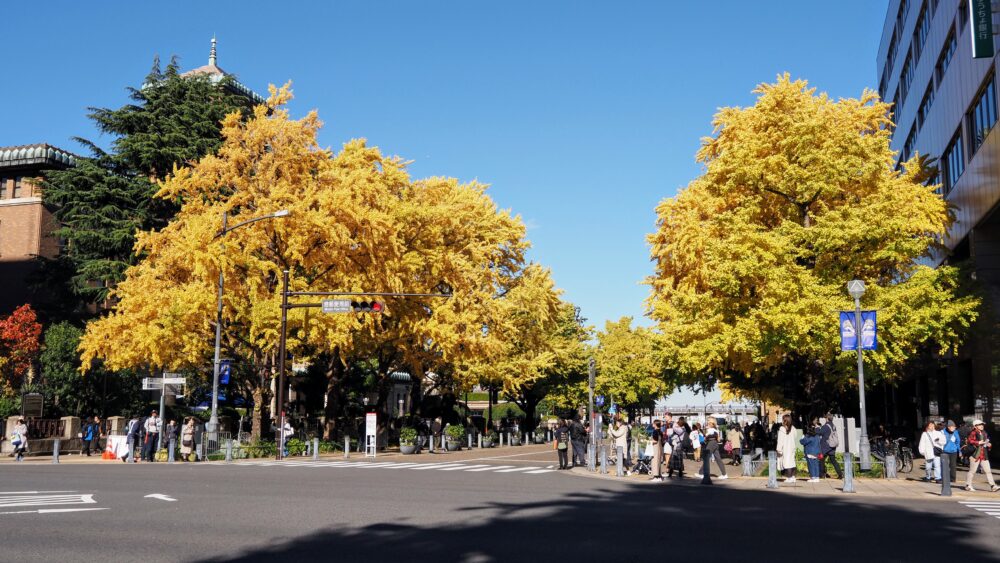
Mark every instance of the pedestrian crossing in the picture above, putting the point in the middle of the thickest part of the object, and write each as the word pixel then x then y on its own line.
pixel 991 508
pixel 443 466
pixel 25 502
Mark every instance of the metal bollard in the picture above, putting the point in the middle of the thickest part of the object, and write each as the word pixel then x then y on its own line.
pixel 890 466
pixel 620 470
pixel 315 449
pixel 443 447
pixel 430 443
pixel 229 451
pixel 591 458
pixel 55 451
pixel 747 465
pixel 480 437
pixel 706 468
pixel 171 445
pixel 604 460
pixel 130 445
pixel 501 439
pixel 469 436
pixel 347 447
pixel 945 476
pixel 772 470
pixel 848 473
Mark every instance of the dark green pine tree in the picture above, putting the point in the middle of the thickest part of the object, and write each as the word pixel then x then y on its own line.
pixel 102 201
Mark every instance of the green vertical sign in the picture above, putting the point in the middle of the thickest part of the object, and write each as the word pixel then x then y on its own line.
pixel 982 29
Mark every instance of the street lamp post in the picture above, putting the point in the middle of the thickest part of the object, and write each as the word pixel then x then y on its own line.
pixel 857 288
pixel 213 422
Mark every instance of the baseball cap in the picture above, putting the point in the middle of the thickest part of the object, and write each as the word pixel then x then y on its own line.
pixel 977 422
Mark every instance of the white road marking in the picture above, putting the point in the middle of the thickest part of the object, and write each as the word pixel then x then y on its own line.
pixel 36 500
pixel 489 468
pixel 52 510
pixel 514 470
pixel 465 467
pixel 33 492
pixel 537 471
pixel 158 496
pixel 436 466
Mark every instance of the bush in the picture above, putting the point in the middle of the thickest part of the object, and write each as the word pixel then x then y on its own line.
pixel 296 447
pixel 407 436
pixel 455 432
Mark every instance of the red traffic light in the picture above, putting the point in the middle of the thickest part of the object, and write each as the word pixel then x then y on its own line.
pixel 366 306
pixel 376 307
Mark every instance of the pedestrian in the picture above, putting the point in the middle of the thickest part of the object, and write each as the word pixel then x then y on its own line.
pixel 170 433
pixel 287 432
pixel 712 438
pixel 132 432
pixel 619 436
pixel 978 448
pixel 19 439
pixel 187 439
pixel 829 441
pixel 152 427
pixel 98 433
pixel 657 440
pixel 930 451
pixel 812 446
pixel 786 448
pixel 677 437
pixel 86 436
pixel 578 438
pixel 734 444
pixel 697 440
pixel 562 444
pixel 952 444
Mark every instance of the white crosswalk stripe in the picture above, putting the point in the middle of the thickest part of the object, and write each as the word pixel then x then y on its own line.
pixel 990 508
pixel 440 466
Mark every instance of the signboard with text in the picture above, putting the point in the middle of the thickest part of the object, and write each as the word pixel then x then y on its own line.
pixel 981 29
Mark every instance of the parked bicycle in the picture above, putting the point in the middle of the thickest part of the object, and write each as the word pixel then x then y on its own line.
pixel 881 447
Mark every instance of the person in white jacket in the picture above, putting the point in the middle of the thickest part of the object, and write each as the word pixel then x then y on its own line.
pixel 618 432
pixel 930 439
pixel 786 448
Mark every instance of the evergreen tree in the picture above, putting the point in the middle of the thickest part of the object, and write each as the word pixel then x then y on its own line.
pixel 106 198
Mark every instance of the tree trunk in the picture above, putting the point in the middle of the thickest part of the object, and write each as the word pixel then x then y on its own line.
pixel 336 370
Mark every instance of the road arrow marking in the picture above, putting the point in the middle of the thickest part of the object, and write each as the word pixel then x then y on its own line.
pixel 161 497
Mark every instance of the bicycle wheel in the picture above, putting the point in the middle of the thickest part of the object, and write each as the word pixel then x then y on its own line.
pixel 906 464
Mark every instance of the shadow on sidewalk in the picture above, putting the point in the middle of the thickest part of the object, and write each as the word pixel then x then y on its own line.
pixel 676 523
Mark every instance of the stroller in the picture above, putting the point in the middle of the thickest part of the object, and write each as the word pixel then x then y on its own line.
pixel 642 465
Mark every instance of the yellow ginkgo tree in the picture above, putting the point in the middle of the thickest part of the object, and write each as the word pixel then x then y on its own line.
pixel 799 195
pixel 357 222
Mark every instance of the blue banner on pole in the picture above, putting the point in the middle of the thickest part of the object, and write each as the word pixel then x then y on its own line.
pixel 849 333
pixel 225 369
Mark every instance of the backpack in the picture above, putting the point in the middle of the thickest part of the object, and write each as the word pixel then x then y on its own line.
pixel 834 439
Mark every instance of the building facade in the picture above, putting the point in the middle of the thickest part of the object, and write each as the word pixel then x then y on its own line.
pixel 26 226
pixel 945 107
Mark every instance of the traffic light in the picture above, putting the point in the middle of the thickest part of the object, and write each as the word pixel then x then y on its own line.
pixel 367 306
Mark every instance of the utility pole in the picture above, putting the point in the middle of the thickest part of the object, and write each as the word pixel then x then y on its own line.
pixel 857 288
pixel 592 451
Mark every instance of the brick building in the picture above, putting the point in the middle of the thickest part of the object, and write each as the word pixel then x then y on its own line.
pixel 25 224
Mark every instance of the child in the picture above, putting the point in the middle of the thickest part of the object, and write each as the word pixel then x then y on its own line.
pixel 811 443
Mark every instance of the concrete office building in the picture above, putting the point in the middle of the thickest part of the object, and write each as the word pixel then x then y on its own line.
pixel 945 107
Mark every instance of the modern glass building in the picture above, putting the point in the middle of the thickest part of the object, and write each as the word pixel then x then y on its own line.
pixel 945 107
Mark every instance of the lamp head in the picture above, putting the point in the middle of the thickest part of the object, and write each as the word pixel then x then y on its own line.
pixel 856 288
pixel 280 213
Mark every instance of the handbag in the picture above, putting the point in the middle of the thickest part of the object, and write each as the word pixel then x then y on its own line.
pixel 938 451
pixel 728 447
pixel 15 439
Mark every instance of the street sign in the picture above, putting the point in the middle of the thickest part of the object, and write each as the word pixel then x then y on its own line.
pixel 371 430
pixel 32 405
pixel 157 383
pixel 337 306
pixel 981 29
pixel 592 373
pixel 599 400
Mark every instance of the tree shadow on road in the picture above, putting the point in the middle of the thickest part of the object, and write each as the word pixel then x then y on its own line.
pixel 673 522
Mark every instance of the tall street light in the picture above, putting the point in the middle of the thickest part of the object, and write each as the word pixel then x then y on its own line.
pixel 857 288
pixel 213 421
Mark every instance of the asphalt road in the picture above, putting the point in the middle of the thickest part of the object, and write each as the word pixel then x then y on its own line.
pixel 404 513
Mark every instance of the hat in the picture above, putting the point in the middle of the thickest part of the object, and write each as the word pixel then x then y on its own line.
pixel 977 422
pixel 950 423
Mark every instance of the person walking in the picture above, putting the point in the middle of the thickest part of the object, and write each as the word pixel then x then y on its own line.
pixel 187 439
pixel 19 439
pixel 786 448
pixel 952 444
pixel 928 449
pixel 978 444
pixel 132 431
pixel 812 446
pixel 578 438
pixel 618 433
pixel 562 444
pixel 735 440
pixel 152 427
pixel 98 433
pixel 657 439
pixel 712 439
pixel 829 441
pixel 697 440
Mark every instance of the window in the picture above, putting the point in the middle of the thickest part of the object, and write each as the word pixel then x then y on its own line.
pixel 963 14
pixel 982 116
pixel 905 77
pixel 895 104
pixel 890 57
pixel 18 187
pixel 920 33
pixel 925 105
pixel 908 145
pixel 904 8
pixel 882 86
pixel 946 54
pixel 934 4
pixel 3 187
pixel 954 162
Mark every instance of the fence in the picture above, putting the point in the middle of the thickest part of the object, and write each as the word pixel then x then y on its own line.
pixel 40 428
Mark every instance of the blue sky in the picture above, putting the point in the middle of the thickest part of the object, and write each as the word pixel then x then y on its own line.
pixel 581 115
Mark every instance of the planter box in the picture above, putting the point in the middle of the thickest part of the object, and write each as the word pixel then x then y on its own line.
pixel 407 450
pixel 488 443
pixel 452 445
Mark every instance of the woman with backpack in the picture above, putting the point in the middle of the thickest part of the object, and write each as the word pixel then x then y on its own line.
pixel 562 444
pixel 696 440
pixel 19 439
pixel 786 448
pixel 811 447
pixel 712 439
pixel 929 449
pixel 977 449
pixel 677 437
